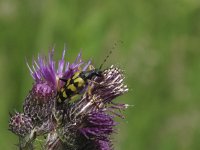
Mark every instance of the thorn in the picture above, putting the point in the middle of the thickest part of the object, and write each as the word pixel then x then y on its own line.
pixel 10 114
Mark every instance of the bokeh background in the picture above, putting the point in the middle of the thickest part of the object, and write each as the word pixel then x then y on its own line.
pixel 160 55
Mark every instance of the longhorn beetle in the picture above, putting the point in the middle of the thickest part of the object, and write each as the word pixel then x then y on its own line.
pixel 79 80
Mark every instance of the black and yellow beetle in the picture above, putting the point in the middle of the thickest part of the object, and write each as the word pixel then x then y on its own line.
pixel 77 83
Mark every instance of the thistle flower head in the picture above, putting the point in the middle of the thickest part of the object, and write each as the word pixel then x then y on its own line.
pixel 44 69
pixel 39 102
pixel 41 99
pixel 98 128
pixel 20 124
pixel 97 125
pixel 109 87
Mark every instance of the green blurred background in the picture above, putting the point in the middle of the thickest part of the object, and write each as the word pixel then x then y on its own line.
pixel 160 56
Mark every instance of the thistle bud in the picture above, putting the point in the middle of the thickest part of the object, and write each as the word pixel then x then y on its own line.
pixel 20 124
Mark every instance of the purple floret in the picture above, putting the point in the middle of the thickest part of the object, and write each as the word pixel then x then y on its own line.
pixel 98 128
pixel 98 125
pixel 44 69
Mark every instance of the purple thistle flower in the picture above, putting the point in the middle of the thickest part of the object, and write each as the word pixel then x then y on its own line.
pixel 40 102
pixel 97 125
pixel 85 124
pixel 98 128
pixel 44 69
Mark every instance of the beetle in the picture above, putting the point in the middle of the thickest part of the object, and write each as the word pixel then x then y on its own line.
pixel 78 82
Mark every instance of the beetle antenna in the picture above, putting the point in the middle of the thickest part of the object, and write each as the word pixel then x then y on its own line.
pixel 110 52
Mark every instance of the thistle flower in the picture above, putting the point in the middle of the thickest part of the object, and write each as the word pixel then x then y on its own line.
pixel 85 124
pixel 41 99
pixel 98 128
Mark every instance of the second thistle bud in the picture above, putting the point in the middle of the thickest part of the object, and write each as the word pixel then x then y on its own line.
pixel 40 102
